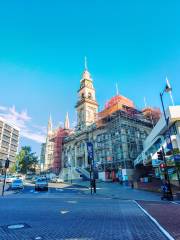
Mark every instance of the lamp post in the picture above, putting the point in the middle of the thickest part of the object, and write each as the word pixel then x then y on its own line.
pixel 168 89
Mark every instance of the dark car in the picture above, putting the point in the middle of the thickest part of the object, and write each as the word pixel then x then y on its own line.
pixel 41 184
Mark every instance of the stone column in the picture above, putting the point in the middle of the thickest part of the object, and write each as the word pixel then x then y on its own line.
pixel 85 155
pixel 75 155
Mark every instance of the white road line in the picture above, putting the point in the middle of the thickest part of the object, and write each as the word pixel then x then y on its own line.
pixel 175 203
pixel 155 221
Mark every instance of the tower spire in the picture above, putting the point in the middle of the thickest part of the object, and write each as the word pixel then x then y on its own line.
pixel 145 102
pixel 86 74
pixel 49 128
pixel 85 63
pixel 66 123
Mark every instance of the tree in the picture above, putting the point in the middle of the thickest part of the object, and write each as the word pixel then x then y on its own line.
pixel 26 160
pixel 12 168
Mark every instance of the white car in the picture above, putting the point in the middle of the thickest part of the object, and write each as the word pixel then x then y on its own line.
pixel 17 184
pixel 59 180
pixel 10 179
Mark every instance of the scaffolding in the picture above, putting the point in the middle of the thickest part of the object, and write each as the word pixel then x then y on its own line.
pixel 126 128
pixel 152 114
pixel 57 139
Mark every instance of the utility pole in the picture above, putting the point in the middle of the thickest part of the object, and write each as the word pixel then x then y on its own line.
pixel 166 172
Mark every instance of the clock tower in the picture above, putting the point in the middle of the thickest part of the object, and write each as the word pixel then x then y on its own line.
pixel 86 106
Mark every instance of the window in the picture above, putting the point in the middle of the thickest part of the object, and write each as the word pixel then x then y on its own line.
pixel 89 95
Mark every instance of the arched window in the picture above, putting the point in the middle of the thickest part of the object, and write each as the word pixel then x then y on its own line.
pixel 89 95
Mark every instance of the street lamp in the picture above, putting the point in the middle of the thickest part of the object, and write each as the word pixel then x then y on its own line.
pixel 168 89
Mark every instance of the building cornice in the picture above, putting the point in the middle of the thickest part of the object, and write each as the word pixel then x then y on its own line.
pixel 86 100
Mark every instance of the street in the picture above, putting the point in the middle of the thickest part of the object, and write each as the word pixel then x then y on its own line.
pixel 70 212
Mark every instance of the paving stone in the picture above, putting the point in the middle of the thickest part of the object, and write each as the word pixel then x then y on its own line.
pixel 90 218
pixel 166 213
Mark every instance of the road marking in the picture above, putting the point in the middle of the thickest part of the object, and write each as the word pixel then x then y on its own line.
pixel 16 226
pixel 58 189
pixel 38 238
pixel 175 203
pixel 64 212
pixel 72 201
pixel 76 239
pixel 155 221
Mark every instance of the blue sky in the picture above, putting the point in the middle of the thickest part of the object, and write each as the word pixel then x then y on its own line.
pixel 42 49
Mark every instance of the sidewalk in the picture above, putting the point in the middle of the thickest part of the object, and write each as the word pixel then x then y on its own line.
pixel 6 192
pixel 116 190
pixel 166 213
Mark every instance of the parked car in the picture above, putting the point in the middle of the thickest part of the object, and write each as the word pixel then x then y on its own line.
pixel 41 184
pixel 53 180
pixel 59 180
pixel 35 178
pixel 19 176
pixel 10 179
pixel 2 178
pixel 17 184
pixel 56 180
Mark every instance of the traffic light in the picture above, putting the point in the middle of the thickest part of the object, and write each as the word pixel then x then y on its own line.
pixel 160 155
pixel 169 153
pixel 162 167
pixel 7 163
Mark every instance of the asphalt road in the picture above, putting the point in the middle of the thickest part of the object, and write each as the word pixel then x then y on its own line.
pixel 67 213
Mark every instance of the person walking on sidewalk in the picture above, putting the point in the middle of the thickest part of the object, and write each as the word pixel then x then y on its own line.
pixel 132 184
pixel 166 191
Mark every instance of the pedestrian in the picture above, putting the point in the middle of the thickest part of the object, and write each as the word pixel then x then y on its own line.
pixel 94 185
pixel 166 191
pixel 132 184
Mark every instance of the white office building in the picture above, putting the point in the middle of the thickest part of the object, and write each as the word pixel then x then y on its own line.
pixel 158 138
pixel 9 141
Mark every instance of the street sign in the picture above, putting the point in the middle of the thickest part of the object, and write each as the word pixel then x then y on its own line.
pixel 177 158
pixel 171 171
pixel 156 162
pixel 90 152
pixel 168 142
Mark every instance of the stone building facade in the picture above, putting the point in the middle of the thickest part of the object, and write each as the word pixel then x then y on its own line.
pixel 117 134
pixel 51 150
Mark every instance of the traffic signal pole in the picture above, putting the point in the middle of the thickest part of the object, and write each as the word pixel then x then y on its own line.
pixel 91 165
pixel 166 172
pixel 91 177
pixel 4 182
